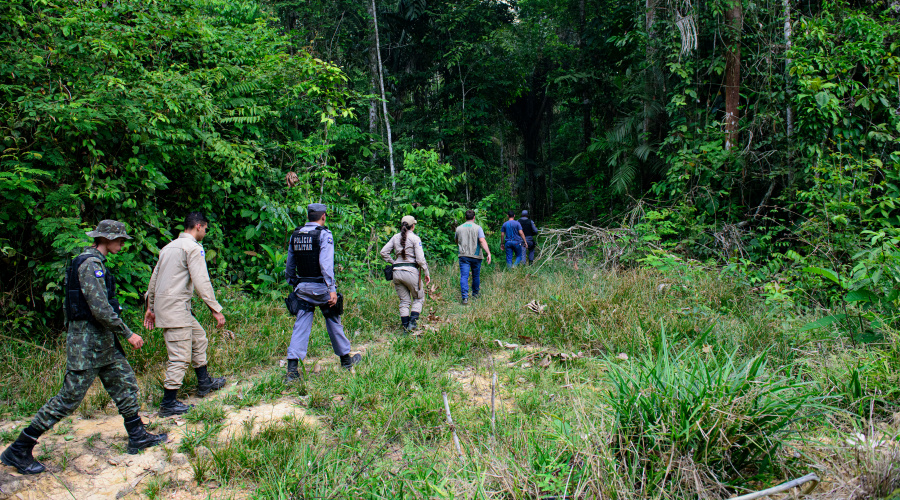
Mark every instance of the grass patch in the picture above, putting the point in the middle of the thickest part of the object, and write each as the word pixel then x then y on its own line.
pixel 673 385
pixel 209 411
pixel 723 416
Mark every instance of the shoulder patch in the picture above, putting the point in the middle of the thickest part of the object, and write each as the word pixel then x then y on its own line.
pixel 202 253
pixel 98 273
pixel 330 240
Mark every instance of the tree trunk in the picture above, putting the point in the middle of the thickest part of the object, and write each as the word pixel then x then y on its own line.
pixel 373 86
pixel 462 84
pixel 387 121
pixel 787 68
pixel 586 124
pixel 734 19
pixel 528 112
pixel 650 17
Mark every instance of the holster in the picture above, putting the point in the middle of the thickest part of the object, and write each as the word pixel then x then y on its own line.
pixel 293 303
pixel 333 311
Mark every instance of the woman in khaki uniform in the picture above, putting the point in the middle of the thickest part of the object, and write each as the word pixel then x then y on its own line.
pixel 409 268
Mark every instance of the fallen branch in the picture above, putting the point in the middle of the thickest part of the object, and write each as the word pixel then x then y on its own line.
pixel 796 483
pixel 493 398
pixel 450 423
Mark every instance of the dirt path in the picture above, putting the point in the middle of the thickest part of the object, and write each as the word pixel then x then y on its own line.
pixel 88 459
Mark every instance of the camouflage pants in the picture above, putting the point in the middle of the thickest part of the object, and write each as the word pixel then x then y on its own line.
pixel 118 379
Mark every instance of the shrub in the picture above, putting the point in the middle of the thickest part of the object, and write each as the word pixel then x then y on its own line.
pixel 725 415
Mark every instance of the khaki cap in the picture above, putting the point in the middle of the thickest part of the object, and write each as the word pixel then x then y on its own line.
pixel 109 229
pixel 409 220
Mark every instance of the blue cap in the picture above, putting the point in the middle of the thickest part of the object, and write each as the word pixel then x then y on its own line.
pixel 524 213
pixel 316 207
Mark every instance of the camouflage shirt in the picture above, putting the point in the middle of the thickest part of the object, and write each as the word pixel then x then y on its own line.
pixel 91 344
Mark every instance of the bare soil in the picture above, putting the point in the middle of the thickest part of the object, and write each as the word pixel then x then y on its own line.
pixel 87 460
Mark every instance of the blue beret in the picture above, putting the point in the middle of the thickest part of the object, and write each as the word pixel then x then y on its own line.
pixel 316 207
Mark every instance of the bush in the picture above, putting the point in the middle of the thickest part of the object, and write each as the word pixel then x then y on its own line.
pixel 725 415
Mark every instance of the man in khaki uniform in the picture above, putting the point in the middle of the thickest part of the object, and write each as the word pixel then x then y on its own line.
pixel 180 272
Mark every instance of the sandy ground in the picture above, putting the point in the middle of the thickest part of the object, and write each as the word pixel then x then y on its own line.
pixel 89 460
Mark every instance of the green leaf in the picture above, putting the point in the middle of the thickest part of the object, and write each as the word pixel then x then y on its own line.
pixel 827 273
pixel 860 296
pixel 822 322
pixel 822 99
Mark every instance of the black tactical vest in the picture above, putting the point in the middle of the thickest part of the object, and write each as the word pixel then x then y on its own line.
pixel 76 306
pixel 305 248
pixel 527 227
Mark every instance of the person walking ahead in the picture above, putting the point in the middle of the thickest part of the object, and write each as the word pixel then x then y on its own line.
pixel 470 238
pixel 409 266
pixel 512 238
pixel 180 272
pixel 310 270
pixel 530 231
pixel 92 350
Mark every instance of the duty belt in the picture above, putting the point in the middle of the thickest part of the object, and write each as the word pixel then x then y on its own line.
pixel 406 264
pixel 320 279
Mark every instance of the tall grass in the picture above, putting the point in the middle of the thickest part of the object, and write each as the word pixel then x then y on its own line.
pixel 727 416
pixel 713 386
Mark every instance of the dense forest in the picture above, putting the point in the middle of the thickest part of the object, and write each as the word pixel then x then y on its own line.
pixel 714 306
pixel 760 136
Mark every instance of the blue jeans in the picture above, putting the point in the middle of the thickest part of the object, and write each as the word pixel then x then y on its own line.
pixel 513 248
pixel 466 264
pixel 530 249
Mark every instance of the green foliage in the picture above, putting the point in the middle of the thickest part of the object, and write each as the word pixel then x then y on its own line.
pixel 142 112
pixel 726 413
pixel 422 191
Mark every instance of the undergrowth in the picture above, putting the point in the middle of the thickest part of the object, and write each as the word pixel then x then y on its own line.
pixel 635 383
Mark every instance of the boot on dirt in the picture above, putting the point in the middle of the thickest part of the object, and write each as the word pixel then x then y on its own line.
pixel 170 406
pixel 404 322
pixel 205 384
pixel 293 374
pixel 413 318
pixel 138 437
pixel 348 361
pixel 19 454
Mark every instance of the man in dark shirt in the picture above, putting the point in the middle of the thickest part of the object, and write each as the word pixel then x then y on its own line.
pixel 530 231
pixel 512 238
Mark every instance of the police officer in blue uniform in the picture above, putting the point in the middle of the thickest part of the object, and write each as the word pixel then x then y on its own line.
pixel 310 270
pixel 530 231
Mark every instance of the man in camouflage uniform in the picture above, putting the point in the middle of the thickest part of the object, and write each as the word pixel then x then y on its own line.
pixel 92 350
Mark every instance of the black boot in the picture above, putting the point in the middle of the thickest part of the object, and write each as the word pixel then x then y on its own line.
pixel 404 322
pixel 205 384
pixel 19 455
pixel 138 437
pixel 170 405
pixel 347 361
pixel 293 374
pixel 413 318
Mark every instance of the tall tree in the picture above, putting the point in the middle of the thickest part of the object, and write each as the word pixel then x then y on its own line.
pixel 734 21
pixel 387 121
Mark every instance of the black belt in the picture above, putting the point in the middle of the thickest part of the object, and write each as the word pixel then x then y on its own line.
pixel 320 279
pixel 405 264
